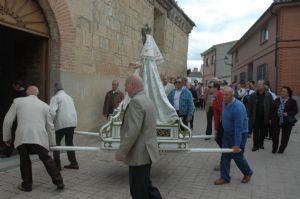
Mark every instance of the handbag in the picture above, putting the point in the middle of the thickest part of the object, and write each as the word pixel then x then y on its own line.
pixel 291 120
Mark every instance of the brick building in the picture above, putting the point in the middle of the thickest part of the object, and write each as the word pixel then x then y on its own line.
pixel 85 44
pixel 270 49
pixel 214 62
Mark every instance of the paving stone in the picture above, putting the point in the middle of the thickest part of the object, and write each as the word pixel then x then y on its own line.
pixel 177 175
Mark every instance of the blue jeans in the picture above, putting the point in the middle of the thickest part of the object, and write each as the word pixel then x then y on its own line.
pixel 238 158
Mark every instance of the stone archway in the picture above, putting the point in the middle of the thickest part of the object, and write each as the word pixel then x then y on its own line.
pixel 23 15
pixel 24 45
pixel 41 35
pixel 24 39
pixel 47 18
pixel 62 37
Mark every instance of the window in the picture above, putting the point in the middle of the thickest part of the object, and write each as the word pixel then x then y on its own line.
pixel 250 72
pixel 235 78
pixel 262 72
pixel 264 34
pixel 236 57
pixel 213 60
pixel 242 77
pixel 206 62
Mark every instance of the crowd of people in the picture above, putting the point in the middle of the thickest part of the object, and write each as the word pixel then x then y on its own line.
pixel 267 113
pixel 239 111
pixel 234 113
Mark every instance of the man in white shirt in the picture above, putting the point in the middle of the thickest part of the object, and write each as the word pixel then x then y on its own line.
pixel 182 100
pixel 241 92
pixel 64 115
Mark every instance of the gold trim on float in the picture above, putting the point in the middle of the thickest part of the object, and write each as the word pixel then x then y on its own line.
pixel 25 15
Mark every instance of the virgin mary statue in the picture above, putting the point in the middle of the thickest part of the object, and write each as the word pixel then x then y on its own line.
pixel 147 69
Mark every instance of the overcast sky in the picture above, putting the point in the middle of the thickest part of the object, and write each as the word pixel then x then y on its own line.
pixel 219 21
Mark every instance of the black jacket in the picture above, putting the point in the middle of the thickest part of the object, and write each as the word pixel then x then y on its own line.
pixel 252 103
pixel 291 108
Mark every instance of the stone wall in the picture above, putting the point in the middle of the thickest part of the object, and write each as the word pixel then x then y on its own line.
pixel 107 39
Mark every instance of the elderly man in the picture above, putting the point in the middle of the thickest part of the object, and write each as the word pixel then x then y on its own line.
pixel 182 100
pixel 64 115
pixel 112 99
pixel 34 134
pixel 259 112
pixel 235 124
pixel 138 146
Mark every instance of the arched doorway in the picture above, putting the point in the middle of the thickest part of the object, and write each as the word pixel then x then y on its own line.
pixel 24 38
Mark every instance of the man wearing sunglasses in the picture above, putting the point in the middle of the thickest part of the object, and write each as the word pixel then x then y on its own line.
pixel 182 100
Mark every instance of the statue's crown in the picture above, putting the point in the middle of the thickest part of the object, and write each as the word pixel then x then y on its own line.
pixel 146 30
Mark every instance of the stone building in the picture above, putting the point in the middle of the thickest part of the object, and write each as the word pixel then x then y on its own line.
pixel 270 49
pixel 85 44
pixel 216 62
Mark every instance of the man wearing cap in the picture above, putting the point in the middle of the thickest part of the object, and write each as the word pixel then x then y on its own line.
pixel 64 115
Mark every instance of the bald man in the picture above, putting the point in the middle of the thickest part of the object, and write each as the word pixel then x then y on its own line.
pixel 235 125
pixel 138 147
pixel 34 134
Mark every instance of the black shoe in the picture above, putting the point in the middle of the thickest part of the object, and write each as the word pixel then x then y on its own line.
pixel 60 186
pixel 71 166
pixel 255 148
pixel 262 147
pixel 280 151
pixel 274 151
pixel 21 188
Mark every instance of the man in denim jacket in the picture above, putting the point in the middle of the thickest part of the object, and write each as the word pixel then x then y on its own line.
pixel 182 100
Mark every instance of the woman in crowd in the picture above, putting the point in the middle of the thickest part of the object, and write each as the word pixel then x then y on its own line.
pixel 284 110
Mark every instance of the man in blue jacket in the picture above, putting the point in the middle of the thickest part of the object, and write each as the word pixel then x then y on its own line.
pixel 182 100
pixel 235 124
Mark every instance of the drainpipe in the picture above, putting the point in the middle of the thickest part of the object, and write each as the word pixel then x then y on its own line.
pixel 276 46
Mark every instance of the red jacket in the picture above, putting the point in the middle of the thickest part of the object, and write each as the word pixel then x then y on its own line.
pixel 217 108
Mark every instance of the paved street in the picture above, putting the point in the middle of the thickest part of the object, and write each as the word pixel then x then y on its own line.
pixel 178 175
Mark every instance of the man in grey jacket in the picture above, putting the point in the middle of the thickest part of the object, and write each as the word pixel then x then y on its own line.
pixel 64 115
pixel 34 134
pixel 139 146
